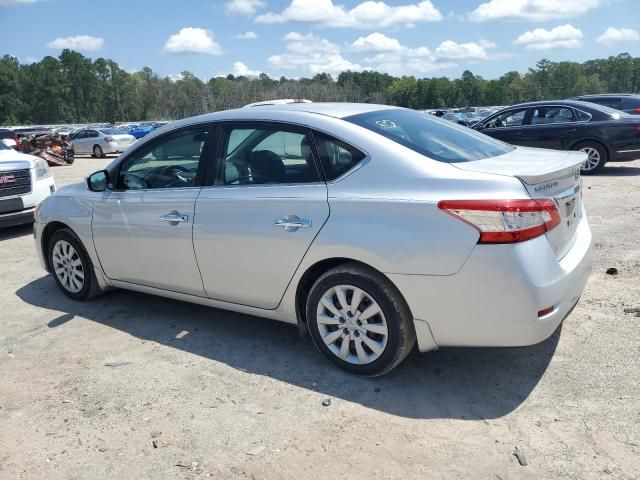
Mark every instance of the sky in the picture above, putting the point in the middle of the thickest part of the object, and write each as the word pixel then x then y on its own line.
pixel 300 38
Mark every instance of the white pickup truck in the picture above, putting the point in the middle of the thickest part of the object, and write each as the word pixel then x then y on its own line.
pixel 25 181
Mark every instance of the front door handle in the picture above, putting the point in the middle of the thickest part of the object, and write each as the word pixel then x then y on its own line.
pixel 174 217
pixel 291 223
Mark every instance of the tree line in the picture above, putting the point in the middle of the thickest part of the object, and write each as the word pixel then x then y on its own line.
pixel 76 89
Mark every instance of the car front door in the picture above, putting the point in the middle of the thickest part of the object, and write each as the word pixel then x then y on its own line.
pixel 79 142
pixel 506 126
pixel 254 226
pixel 142 226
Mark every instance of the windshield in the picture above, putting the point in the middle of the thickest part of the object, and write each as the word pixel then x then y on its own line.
pixel 110 131
pixel 437 139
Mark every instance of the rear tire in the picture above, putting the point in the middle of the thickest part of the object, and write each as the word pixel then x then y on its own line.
pixel 597 157
pixel 359 320
pixel 97 151
pixel 71 266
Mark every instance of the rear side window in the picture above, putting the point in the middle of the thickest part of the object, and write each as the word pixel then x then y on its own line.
pixel 336 157
pixel 434 138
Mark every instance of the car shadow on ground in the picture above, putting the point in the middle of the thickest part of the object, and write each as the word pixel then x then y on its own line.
pixel 10 233
pixel 619 171
pixel 453 383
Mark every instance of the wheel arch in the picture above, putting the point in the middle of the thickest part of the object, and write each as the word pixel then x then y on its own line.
pixel 47 232
pixel 592 140
pixel 313 272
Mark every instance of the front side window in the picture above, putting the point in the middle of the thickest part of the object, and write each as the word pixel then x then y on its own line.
pixel 512 118
pixel 168 162
pixel 544 115
pixel 268 156
pixel 434 138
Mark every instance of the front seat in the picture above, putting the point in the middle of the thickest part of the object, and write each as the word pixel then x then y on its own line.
pixel 267 167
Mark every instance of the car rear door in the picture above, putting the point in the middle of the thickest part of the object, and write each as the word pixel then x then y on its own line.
pixel 550 126
pixel 143 225
pixel 254 225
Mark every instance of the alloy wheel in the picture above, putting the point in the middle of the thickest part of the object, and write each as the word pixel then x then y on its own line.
pixel 352 324
pixel 593 159
pixel 67 266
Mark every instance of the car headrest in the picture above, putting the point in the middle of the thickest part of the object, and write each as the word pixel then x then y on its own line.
pixel 266 167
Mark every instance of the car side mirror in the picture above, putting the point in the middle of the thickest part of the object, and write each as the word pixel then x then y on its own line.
pixel 98 181
pixel 478 126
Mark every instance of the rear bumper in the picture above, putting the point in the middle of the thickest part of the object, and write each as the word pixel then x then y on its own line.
pixel 494 300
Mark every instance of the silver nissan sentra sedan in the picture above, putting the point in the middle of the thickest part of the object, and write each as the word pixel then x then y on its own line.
pixel 372 227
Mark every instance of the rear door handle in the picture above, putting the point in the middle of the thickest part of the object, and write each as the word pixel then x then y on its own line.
pixel 291 223
pixel 174 217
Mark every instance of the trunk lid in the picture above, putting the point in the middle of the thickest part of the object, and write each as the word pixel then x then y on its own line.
pixel 544 173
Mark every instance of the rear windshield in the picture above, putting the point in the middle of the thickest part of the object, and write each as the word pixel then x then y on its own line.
pixel 432 137
pixel 110 131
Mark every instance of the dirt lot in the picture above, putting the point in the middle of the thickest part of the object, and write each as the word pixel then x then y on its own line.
pixel 131 386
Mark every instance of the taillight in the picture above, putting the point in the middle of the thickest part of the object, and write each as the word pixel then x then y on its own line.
pixel 505 221
pixel 109 139
pixel 637 110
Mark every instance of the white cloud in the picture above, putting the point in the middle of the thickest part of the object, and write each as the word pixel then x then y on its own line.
pixel 193 40
pixel 536 10
pixel 366 15
pixel 241 70
pixel 246 36
pixel 78 42
pixel 12 3
pixel 243 7
pixel 376 42
pixel 451 50
pixel 312 55
pixel 390 56
pixel 613 35
pixel 564 36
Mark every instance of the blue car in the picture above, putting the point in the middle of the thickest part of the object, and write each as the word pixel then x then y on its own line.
pixel 137 131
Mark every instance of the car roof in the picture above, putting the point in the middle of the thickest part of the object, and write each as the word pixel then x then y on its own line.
pixel 595 95
pixel 574 103
pixel 330 109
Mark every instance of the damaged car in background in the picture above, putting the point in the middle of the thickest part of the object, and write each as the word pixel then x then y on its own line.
pixel 374 228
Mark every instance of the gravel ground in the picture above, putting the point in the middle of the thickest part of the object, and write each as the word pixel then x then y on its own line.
pixel 131 386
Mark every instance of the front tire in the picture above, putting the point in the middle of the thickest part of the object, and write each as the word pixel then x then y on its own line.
pixel 596 157
pixel 359 320
pixel 71 266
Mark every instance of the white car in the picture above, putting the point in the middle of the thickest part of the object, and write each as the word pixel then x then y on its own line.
pixel 100 141
pixel 25 181
pixel 372 227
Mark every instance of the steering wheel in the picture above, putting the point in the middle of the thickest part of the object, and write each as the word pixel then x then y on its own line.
pixel 177 172
pixel 133 181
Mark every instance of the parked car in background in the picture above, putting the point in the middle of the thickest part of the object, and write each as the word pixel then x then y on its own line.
pixel 458 118
pixel 25 181
pixel 100 142
pixel 9 138
pixel 136 130
pixel 624 102
pixel 231 210
pixel 604 134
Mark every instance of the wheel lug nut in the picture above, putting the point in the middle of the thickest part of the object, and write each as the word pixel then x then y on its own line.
pixel 345 331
